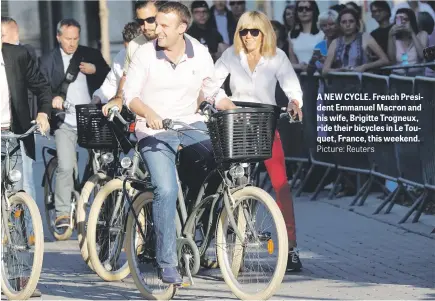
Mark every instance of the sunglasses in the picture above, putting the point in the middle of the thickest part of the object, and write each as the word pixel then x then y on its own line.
pixel 254 32
pixel 150 20
pixel 232 3
pixel 304 8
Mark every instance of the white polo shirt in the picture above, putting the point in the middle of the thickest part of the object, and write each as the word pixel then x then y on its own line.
pixel 170 90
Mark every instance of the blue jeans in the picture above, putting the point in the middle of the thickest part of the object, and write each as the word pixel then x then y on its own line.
pixel 28 182
pixel 159 153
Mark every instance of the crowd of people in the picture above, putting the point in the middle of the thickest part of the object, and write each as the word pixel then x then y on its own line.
pixel 164 70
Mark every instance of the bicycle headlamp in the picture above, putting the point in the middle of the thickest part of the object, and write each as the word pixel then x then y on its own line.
pixel 237 172
pixel 126 162
pixel 14 176
pixel 107 158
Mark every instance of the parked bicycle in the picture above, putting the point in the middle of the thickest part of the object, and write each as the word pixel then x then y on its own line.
pixel 22 236
pixel 238 136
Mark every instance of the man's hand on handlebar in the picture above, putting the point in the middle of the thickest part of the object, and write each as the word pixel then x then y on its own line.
pixel 42 121
pixel 116 101
pixel 294 110
pixel 57 103
pixel 154 121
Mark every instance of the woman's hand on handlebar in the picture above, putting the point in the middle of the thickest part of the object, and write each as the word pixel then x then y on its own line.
pixel 294 110
pixel 114 102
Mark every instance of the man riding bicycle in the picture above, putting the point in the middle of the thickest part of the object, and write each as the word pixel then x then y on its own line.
pixel 74 72
pixel 164 80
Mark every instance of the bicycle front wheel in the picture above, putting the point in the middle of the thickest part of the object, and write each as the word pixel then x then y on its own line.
pixel 141 251
pixel 91 187
pixel 105 233
pixel 254 267
pixel 22 256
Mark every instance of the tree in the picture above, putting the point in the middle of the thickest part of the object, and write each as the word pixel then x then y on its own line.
pixel 104 25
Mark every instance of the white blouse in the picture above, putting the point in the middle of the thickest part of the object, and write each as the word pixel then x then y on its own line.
pixel 258 86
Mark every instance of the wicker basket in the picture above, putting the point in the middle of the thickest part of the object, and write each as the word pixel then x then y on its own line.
pixel 244 134
pixel 94 130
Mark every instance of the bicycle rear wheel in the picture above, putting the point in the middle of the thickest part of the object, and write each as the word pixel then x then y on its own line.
pixel 21 258
pixel 50 210
pixel 254 267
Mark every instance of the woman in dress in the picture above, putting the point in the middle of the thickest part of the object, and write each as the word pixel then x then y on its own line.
pixel 255 64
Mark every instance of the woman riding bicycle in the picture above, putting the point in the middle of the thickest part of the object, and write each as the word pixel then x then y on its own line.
pixel 255 65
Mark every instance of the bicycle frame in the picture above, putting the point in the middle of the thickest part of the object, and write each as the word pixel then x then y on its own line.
pixel 92 166
pixel 186 224
pixel 7 187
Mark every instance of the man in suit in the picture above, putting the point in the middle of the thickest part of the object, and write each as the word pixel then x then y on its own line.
pixel 74 73
pixel 223 20
pixel 11 35
pixel 18 73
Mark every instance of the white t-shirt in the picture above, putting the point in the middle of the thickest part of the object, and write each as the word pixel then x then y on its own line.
pixel 111 83
pixel 131 49
pixel 77 93
pixel 303 45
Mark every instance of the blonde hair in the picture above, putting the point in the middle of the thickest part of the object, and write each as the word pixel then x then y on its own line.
pixel 256 20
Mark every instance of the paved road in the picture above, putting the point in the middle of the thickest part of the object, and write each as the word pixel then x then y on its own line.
pixel 345 254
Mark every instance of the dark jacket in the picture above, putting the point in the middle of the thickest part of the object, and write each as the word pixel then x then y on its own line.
pixel 52 67
pixel 23 75
pixel 31 97
pixel 231 22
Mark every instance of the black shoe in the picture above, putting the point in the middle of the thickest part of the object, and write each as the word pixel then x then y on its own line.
pixel 62 222
pixel 170 276
pixel 294 263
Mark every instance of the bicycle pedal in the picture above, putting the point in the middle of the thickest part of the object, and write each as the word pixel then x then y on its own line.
pixel 183 285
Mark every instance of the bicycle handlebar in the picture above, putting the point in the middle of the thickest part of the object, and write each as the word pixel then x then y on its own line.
pixel 287 114
pixel 114 111
pixel 205 107
pixel 33 129
pixel 67 106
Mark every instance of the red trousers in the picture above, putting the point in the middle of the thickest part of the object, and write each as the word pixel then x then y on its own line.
pixel 278 176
